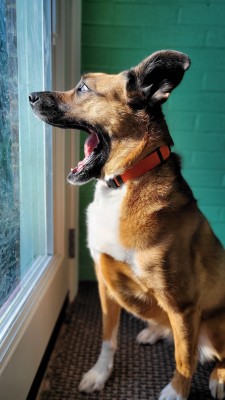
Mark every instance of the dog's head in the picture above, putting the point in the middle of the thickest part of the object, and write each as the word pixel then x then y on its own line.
pixel 121 113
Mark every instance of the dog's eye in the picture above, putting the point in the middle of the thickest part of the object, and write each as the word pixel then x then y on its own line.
pixel 83 88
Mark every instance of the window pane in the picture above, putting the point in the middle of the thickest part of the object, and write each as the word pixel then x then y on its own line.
pixel 9 155
pixel 25 145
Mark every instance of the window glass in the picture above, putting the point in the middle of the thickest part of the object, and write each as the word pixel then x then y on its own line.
pixel 25 148
pixel 9 155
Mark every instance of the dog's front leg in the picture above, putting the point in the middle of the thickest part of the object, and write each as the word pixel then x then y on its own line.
pixel 185 328
pixel 95 378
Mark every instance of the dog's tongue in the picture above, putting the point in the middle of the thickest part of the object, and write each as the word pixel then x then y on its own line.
pixel 90 143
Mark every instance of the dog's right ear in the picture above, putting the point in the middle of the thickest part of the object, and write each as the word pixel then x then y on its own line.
pixel 151 81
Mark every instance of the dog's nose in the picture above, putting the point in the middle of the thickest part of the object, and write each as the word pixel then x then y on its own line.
pixel 33 98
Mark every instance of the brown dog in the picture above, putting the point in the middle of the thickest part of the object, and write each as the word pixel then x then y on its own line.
pixel 154 251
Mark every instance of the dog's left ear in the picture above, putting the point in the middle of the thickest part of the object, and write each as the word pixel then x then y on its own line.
pixel 153 79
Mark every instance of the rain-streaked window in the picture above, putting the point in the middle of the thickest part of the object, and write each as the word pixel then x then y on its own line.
pixel 25 150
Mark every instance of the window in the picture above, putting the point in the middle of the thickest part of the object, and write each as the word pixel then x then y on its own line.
pixel 25 151
pixel 35 274
pixel 9 157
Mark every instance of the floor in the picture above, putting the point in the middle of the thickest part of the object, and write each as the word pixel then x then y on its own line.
pixel 140 371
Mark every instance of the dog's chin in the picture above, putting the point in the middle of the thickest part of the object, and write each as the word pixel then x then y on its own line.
pixel 56 119
pixel 96 151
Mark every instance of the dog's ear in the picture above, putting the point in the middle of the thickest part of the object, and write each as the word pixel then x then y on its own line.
pixel 153 79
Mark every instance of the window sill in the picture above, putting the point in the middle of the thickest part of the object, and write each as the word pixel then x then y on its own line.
pixel 28 337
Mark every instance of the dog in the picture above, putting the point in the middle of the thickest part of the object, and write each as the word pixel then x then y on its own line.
pixel 155 254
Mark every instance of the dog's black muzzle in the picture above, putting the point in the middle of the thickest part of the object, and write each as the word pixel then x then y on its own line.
pixel 49 107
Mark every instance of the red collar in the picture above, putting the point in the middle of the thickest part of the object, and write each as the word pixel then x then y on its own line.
pixel 147 164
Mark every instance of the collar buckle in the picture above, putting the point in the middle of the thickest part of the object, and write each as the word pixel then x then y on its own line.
pixel 115 183
pixel 111 183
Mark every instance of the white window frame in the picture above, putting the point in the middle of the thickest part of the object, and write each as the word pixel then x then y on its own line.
pixel 27 339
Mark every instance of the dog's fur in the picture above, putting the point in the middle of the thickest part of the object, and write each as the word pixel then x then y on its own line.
pixel 154 251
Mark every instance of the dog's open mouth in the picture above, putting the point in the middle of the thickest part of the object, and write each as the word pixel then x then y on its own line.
pixel 96 151
pixel 90 148
pixel 51 108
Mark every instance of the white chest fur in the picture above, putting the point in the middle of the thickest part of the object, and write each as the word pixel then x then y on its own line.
pixel 103 216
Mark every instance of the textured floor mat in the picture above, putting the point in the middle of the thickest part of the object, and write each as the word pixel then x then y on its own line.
pixel 140 372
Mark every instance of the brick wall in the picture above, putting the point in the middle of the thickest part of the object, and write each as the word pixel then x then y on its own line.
pixel 117 34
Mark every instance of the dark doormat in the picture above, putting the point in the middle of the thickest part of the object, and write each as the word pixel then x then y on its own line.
pixel 140 372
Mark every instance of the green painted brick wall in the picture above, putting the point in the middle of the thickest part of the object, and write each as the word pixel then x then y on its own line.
pixel 117 34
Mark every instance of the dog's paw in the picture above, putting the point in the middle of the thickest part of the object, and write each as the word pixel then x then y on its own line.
pixel 152 334
pixel 93 380
pixel 96 377
pixel 217 389
pixel 169 393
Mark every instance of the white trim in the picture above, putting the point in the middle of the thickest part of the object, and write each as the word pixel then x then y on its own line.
pixel 13 318
pixel 26 351
pixel 66 53
pixel 75 61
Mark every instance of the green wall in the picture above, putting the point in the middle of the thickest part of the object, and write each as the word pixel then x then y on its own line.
pixel 117 34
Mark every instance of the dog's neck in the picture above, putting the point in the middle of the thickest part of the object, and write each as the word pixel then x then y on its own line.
pixel 143 166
